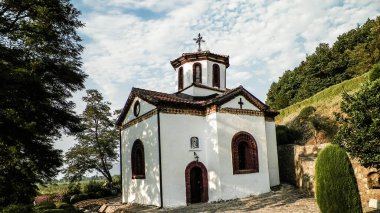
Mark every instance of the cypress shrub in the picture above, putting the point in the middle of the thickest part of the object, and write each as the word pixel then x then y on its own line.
pixel 336 189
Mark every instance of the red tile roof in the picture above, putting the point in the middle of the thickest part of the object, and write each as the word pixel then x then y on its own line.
pixel 184 101
pixel 198 56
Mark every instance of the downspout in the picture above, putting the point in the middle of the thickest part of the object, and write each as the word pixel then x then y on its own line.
pixel 159 156
pixel 121 162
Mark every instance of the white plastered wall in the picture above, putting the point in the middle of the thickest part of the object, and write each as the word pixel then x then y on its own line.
pixel 215 133
pixel 222 74
pixel 241 185
pixel 234 103
pixel 143 191
pixel 272 153
pixel 206 74
pixel 176 131
pixel 188 73
pixel 144 108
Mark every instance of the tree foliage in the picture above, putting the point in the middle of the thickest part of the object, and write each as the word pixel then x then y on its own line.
pixel 97 143
pixel 286 135
pixel 359 132
pixel 39 71
pixel 351 55
pixel 336 188
pixel 374 73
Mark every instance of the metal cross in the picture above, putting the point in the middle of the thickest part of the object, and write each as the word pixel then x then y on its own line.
pixel 199 40
pixel 241 104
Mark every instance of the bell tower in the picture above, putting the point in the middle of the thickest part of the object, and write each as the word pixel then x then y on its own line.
pixel 201 68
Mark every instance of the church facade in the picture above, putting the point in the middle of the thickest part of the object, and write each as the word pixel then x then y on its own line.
pixel 202 143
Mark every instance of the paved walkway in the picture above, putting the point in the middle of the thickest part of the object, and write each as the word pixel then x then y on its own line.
pixel 284 198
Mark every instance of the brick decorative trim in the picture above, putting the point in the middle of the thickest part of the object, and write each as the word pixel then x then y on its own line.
pixel 210 110
pixel 200 112
pixel 252 158
pixel 204 196
pixel 139 119
pixel 183 111
pixel 241 111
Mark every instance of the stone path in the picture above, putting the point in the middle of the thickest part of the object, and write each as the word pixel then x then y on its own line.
pixel 284 198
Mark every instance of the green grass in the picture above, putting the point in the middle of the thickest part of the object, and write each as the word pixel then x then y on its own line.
pixel 325 99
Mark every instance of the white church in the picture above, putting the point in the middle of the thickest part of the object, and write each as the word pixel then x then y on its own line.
pixel 202 143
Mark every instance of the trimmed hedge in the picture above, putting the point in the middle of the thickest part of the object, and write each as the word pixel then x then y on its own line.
pixel 336 187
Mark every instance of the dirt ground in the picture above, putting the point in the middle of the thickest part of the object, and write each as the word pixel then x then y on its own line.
pixel 283 198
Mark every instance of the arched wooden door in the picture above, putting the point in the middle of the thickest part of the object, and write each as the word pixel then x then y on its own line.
pixel 196 183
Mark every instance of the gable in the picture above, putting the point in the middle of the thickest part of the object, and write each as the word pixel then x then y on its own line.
pixel 144 108
pixel 234 103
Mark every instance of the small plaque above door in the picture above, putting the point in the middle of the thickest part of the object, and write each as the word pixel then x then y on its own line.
pixel 194 143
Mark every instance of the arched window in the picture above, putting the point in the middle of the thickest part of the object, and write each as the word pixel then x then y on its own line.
pixel 215 75
pixel 180 78
pixel 137 159
pixel 197 73
pixel 244 154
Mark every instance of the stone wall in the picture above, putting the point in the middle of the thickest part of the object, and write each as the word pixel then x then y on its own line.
pixel 296 164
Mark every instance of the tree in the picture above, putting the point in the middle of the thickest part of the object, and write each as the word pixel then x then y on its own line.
pixel 336 188
pixel 359 132
pixel 97 144
pixel 350 56
pixel 39 71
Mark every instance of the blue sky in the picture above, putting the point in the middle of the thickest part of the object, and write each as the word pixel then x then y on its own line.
pixel 130 43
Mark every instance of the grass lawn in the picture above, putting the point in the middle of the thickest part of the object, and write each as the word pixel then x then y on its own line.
pixel 327 99
pixel 60 187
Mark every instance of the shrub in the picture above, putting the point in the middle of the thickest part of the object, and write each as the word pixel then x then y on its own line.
pixel 43 206
pixel 306 112
pixel 77 198
pixel 360 124
pixel 286 135
pixel 93 187
pixel 66 206
pixel 74 188
pixel 17 208
pixel 374 73
pixel 54 211
pixel 336 188
pixel 308 124
pixel 116 180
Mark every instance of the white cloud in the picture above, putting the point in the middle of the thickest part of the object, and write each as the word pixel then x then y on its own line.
pixel 262 38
